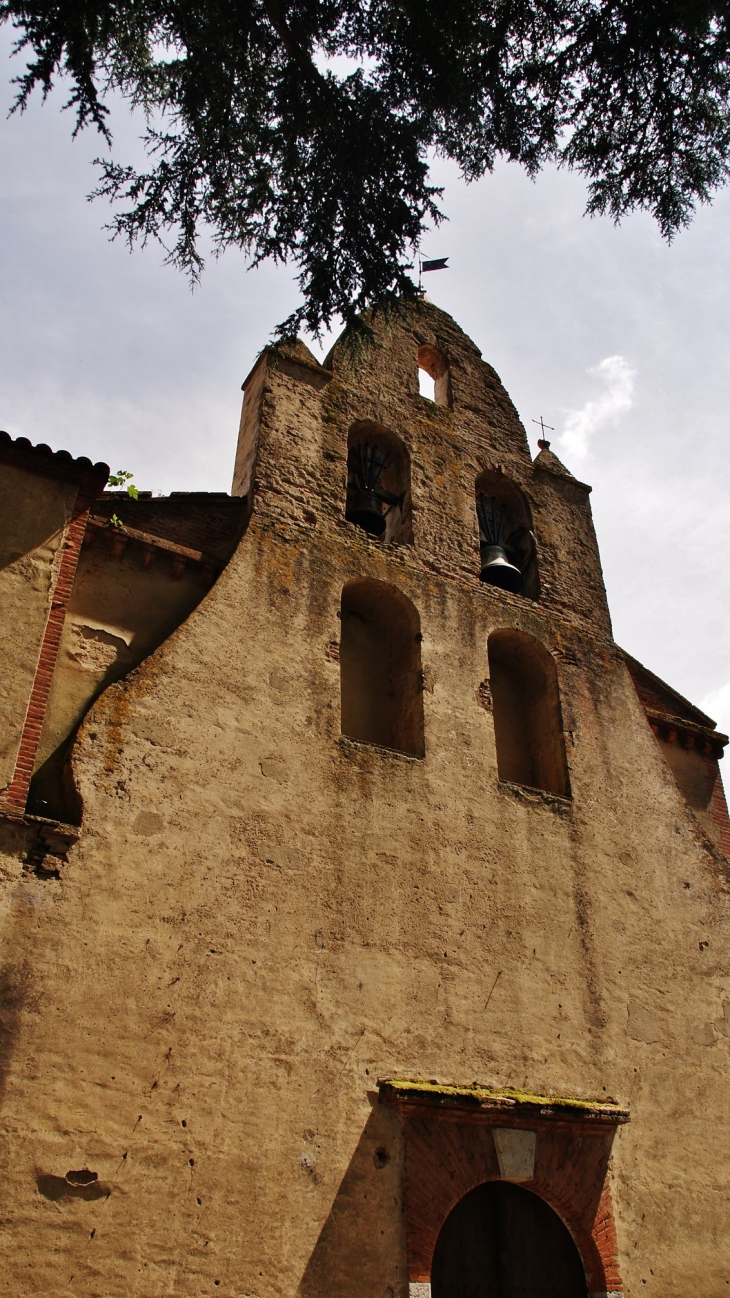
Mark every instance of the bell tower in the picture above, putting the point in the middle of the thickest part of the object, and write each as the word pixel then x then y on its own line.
pixel 450 479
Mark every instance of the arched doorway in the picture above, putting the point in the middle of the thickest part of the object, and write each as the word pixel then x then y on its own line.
pixel 501 1241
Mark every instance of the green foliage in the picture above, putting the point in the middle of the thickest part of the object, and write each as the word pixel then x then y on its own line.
pixel 254 138
pixel 119 479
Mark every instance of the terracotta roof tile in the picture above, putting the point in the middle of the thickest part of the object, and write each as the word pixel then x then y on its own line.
pixel 60 462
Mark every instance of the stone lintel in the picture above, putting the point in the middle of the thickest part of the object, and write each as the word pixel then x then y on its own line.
pixel 468 1103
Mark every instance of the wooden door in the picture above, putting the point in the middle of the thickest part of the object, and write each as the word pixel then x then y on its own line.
pixel 501 1241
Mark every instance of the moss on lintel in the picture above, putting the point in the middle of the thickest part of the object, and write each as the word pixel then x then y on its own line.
pixel 484 1097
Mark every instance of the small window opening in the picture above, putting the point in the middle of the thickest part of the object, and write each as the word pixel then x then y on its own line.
pixel 379 483
pixel 434 379
pixel 381 686
pixel 508 558
pixel 528 726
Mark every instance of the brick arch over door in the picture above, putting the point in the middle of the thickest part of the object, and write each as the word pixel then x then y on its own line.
pixel 447 1159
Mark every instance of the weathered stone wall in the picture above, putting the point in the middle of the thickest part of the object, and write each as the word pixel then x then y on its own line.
pixel 263 918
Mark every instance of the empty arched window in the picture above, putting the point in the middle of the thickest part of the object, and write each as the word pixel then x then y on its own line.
pixel 380 667
pixel 379 483
pixel 506 543
pixel 433 375
pixel 528 726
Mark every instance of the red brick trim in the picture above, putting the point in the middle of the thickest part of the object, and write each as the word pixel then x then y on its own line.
pixel 15 796
pixel 446 1159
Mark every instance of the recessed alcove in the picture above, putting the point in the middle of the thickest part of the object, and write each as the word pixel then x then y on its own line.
pixel 380 667
pixel 528 727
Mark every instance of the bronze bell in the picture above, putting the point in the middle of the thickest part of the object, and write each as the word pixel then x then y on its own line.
pixel 368 464
pixel 365 511
pixel 497 568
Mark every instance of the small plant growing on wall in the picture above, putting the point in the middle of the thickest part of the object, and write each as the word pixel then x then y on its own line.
pixel 122 478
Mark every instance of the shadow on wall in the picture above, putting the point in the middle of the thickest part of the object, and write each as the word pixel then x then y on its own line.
pixel 34 515
pixel 82 1184
pixel 361 1247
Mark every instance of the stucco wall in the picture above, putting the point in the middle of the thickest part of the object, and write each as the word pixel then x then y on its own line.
pixel 262 918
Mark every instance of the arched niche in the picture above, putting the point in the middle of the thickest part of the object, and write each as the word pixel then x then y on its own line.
pixel 381 688
pixel 435 365
pixel 503 1241
pixel 528 726
pixel 369 445
pixel 511 505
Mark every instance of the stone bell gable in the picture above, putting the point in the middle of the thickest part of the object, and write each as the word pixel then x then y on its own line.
pixel 301 421
pixel 364 906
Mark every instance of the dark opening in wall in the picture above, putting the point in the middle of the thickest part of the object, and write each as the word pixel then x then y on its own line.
pixel 53 793
pixel 528 726
pixel 380 667
pixel 375 456
pixel 503 505
pixel 503 1239
pixel 433 364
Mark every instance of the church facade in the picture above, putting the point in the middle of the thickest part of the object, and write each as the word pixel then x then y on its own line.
pixel 365 908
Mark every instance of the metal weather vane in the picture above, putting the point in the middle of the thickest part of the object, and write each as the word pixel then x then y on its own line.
pixel 434 263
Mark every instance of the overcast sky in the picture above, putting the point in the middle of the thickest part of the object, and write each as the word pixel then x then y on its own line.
pixel 619 341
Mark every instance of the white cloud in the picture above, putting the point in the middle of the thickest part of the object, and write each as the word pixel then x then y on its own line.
pixel 717 706
pixel 617 379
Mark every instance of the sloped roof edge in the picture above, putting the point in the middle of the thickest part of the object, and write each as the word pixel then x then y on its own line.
pixel 696 714
pixel 45 460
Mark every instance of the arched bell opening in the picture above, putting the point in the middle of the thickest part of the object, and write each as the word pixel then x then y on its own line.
pixel 433 365
pixel 381 688
pixel 528 725
pixel 503 1241
pixel 379 483
pixel 506 541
